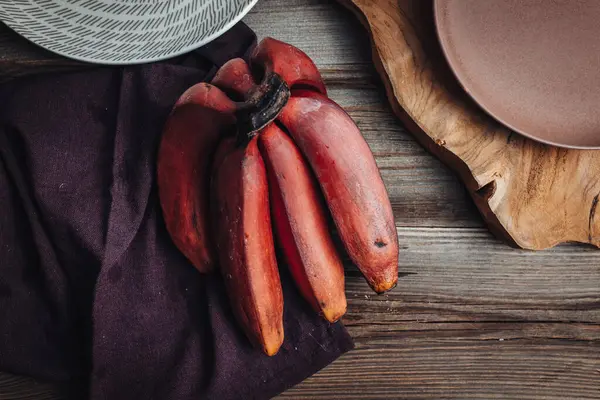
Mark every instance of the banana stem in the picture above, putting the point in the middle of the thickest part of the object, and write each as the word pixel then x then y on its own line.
pixel 262 105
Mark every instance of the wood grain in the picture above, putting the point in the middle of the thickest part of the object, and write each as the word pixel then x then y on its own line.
pixel 13 387
pixel 535 196
pixel 468 370
pixel 471 317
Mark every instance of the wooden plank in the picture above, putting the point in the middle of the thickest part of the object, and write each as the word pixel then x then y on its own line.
pixel 549 369
pixel 495 293
pixel 470 263
pixel 498 323
pixel 326 31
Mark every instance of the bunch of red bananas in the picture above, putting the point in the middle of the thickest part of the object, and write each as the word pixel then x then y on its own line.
pixel 263 148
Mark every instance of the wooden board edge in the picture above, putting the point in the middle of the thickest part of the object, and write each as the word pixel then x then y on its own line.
pixel 480 195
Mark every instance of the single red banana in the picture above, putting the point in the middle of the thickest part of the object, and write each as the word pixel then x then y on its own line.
pixel 300 222
pixel 351 183
pixel 245 245
pixel 235 78
pixel 190 136
pixel 289 62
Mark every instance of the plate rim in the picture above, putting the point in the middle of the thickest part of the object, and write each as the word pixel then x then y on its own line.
pixel 184 50
pixel 438 7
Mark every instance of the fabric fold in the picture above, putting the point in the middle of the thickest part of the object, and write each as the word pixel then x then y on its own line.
pixel 93 293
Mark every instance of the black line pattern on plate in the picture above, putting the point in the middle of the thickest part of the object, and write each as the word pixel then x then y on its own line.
pixel 119 30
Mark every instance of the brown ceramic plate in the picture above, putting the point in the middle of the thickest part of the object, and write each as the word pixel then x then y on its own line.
pixel 534 65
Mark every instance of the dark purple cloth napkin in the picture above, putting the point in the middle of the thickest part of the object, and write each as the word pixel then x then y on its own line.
pixel 93 293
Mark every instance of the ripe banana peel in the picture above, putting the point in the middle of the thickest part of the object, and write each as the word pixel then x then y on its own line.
pixel 300 221
pixel 191 133
pixel 262 149
pixel 351 184
pixel 245 245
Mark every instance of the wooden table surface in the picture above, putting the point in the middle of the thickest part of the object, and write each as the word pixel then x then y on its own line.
pixel 471 317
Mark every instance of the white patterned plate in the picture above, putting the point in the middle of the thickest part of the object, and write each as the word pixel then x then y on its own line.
pixel 122 31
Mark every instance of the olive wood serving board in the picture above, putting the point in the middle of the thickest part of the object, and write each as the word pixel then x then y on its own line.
pixel 533 195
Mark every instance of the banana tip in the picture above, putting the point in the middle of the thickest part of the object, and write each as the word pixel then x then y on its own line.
pixel 332 314
pixel 385 286
pixel 271 349
pixel 271 346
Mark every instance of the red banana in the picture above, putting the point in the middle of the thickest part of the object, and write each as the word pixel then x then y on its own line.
pixel 299 215
pixel 289 62
pixel 245 245
pixel 286 152
pixel 189 139
pixel 301 225
pixel 351 184
pixel 235 78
